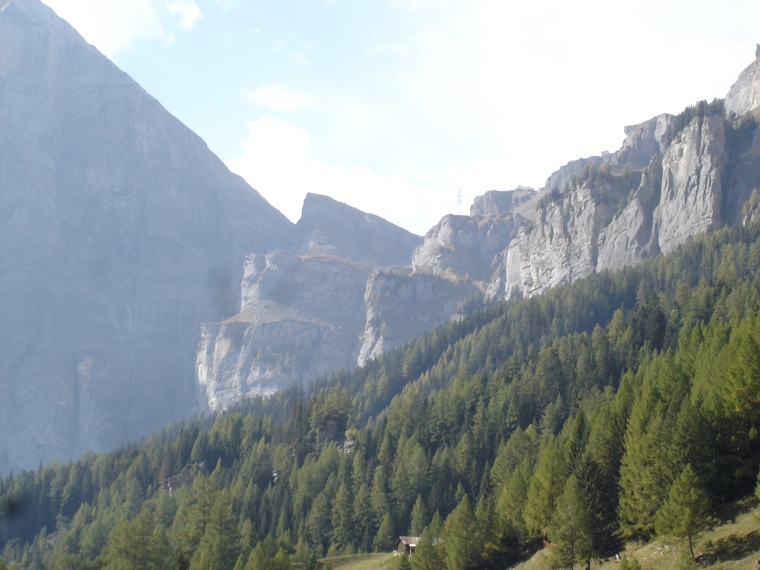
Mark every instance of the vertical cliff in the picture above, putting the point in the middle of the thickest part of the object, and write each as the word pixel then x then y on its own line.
pixel 121 233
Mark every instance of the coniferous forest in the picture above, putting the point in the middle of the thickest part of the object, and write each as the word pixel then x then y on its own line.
pixel 622 407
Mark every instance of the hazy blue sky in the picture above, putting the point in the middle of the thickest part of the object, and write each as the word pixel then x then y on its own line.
pixel 392 105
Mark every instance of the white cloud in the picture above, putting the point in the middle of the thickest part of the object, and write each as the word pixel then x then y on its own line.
pixel 299 58
pixel 277 96
pixel 188 12
pixel 277 161
pixel 388 49
pixel 113 26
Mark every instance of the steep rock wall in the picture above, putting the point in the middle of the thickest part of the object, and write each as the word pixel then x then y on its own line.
pixel 121 233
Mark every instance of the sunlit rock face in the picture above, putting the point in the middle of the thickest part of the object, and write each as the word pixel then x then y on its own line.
pixel 744 95
pixel 302 310
pixel 121 233
pixel 349 287
pixel 681 184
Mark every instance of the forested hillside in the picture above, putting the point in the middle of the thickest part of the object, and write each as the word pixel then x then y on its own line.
pixel 624 406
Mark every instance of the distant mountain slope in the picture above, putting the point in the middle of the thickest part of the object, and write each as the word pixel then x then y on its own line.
pixel 121 232
pixel 674 177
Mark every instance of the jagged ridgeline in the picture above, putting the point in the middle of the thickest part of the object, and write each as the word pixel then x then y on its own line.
pixel 588 410
pixel 143 282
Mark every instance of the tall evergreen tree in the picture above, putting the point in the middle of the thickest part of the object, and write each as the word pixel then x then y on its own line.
pixel 546 486
pixel 219 547
pixel 419 518
pixel 570 529
pixel 686 513
pixel 386 534
pixel 461 538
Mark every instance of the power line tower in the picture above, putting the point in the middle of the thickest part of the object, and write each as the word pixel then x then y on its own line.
pixel 459 201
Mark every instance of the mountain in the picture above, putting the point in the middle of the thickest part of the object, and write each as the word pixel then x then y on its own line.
pixel 632 388
pixel 674 177
pixel 302 309
pixel 142 282
pixel 121 233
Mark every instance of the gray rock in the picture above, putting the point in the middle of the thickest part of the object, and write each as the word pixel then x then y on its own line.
pixel 464 247
pixel 628 238
pixel 301 317
pixel 642 143
pixel 499 203
pixel 331 227
pixel 744 95
pixel 302 311
pixel 692 190
pixel 402 305
pixel 122 232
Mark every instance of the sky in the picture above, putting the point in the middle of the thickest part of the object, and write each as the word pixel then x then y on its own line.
pixel 409 109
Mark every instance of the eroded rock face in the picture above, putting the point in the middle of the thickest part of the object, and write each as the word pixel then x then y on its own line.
pixel 499 203
pixel 332 228
pixel 302 311
pixel 402 305
pixel 628 238
pixel 679 195
pixel 464 246
pixel 121 233
pixel 558 248
pixel 692 191
pixel 301 318
pixel 744 95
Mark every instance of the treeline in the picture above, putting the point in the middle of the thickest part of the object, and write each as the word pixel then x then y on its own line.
pixel 701 109
pixel 581 417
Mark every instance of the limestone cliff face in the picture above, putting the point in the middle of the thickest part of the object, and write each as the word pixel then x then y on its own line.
pixel 402 305
pixel 744 95
pixel 628 237
pixel 499 203
pixel 692 191
pixel 464 246
pixel 678 195
pixel 121 233
pixel 331 227
pixel 557 248
pixel 301 318
pixel 302 311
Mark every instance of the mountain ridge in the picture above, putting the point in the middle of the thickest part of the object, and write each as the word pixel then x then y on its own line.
pixel 124 232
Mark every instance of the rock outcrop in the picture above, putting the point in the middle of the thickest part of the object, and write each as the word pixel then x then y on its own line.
pixel 121 233
pixel 691 181
pixel 302 311
pixel 660 188
pixel 744 95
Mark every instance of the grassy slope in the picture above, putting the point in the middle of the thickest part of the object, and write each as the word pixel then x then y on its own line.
pixel 733 543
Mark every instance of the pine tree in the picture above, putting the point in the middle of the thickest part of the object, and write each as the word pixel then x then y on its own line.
pixel 686 513
pixel 461 538
pixel 419 517
pixel 220 545
pixel 136 543
pixel 545 486
pixel 429 553
pixel 570 529
pixel 386 535
pixel 403 562
pixel 342 533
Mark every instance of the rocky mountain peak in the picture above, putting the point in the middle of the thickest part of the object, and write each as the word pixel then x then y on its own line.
pixel 330 227
pixel 744 95
pixel 121 232
pixel 500 203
